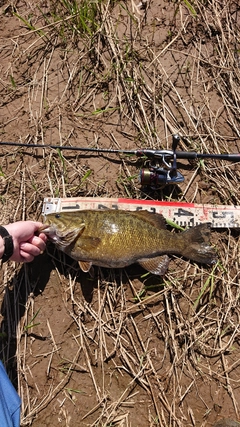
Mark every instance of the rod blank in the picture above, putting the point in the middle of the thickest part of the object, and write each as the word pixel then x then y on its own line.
pixel 145 152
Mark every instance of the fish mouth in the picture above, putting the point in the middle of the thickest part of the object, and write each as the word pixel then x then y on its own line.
pixel 44 228
pixel 49 230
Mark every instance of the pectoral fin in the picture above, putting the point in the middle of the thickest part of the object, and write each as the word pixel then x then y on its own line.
pixel 88 242
pixel 157 265
pixel 85 266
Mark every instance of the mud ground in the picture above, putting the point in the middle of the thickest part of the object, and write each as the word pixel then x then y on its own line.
pixel 120 348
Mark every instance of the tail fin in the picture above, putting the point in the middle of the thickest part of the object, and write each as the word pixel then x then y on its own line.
pixel 197 244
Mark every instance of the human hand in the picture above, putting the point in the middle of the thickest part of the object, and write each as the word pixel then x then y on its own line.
pixel 27 242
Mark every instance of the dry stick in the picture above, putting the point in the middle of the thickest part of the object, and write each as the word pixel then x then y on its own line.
pixel 48 175
pixel 162 396
pixel 129 360
pixel 168 408
pixel 21 361
pixel 44 89
pixel 175 90
pixel 93 330
pixel 162 111
pixel 190 183
pixel 115 339
pixel 142 305
pixel 7 312
pixel 22 332
pixel 20 196
pixel 123 396
pixel 84 347
pixel 229 55
pixel 101 301
pixel 23 195
pixel 230 368
pixel 171 330
pixel 118 332
pixel 105 14
pixel 120 63
pixel 72 73
pixel 175 365
pixel 53 392
pixel 55 348
pixel 182 104
pixel 200 58
pixel 62 165
pixel 154 103
pixel 152 370
pixel 167 124
pixel 229 387
pixel 116 54
pixel 148 126
pixel 121 320
pixel 52 24
pixel 164 49
pixel 101 305
pixel 94 410
pixel 89 364
pixel 135 293
pixel 182 397
pixel 228 108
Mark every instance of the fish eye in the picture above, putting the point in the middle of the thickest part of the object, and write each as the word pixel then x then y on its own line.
pixel 57 216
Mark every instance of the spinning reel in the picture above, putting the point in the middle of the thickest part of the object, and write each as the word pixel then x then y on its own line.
pixel 163 169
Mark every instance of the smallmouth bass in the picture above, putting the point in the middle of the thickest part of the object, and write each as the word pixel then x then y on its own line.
pixel 118 238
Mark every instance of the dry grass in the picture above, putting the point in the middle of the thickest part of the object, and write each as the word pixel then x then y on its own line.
pixel 130 348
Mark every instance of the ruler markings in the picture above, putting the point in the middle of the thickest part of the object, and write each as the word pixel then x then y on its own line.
pixel 183 214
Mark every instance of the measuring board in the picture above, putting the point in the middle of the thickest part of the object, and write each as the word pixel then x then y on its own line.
pixel 183 214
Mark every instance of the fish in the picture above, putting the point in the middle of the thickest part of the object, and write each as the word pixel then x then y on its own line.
pixel 118 238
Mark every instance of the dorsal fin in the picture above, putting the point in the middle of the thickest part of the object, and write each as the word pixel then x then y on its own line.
pixel 155 219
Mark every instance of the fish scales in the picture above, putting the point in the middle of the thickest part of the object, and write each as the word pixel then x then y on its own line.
pixel 123 238
pixel 116 238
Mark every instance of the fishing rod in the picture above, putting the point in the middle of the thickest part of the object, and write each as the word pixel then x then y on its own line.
pixel 162 172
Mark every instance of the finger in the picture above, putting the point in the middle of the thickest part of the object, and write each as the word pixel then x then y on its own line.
pixel 43 236
pixel 38 242
pixel 37 224
pixel 25 256
pixel 30 249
